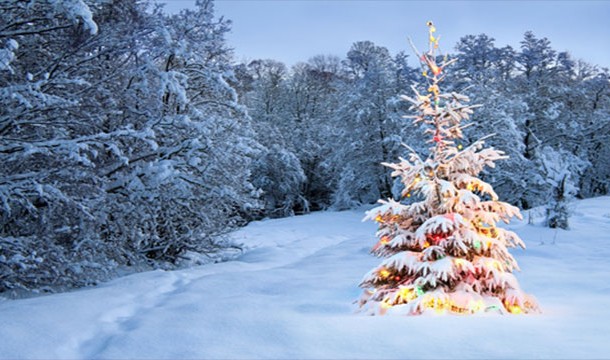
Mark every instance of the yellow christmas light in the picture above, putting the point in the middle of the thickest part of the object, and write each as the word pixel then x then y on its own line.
pixel 384 273
pixel 460 262
pixel 431 31
pixel 442 307
pixel 438 305
pixel 514 309
pixel 405 294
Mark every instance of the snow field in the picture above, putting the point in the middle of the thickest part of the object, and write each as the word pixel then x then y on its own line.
pixel 290 296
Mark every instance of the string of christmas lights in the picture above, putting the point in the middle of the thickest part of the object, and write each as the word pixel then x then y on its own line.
pixel 443 251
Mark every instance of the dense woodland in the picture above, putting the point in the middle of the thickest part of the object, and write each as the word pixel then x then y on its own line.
pixel 131 139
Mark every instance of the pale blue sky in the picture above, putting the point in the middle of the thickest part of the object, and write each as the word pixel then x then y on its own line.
pixel 295 30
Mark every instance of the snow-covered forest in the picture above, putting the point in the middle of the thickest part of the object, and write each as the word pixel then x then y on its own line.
pixel 131 139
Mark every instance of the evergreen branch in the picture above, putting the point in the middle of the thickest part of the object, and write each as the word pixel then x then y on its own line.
pixel 414 48
pixel 413 152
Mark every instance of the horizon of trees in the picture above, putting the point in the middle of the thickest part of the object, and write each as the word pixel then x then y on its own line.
pixel 131 139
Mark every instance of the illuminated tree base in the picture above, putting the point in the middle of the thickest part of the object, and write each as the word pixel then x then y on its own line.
pixel 406 301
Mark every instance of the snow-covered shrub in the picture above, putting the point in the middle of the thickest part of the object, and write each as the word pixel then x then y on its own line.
pixel 562 170
pixel 279 175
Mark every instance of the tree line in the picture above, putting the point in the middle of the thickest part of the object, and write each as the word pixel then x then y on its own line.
pixel 131 139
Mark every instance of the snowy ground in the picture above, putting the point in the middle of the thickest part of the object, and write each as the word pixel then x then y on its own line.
pixel 290 296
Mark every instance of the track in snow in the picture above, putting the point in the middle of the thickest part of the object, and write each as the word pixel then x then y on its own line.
pixel 290 296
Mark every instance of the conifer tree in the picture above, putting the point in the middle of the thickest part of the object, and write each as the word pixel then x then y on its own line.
pixel 443 251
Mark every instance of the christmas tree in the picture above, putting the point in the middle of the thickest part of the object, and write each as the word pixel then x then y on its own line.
pixel 443 251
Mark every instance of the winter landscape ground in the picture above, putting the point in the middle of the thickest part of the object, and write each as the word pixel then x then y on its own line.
pixel 290 296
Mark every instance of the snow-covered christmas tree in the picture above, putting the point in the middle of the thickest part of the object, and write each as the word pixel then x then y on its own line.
pixel 443 251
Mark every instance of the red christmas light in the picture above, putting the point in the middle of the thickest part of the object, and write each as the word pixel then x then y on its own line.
pixel 436 238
